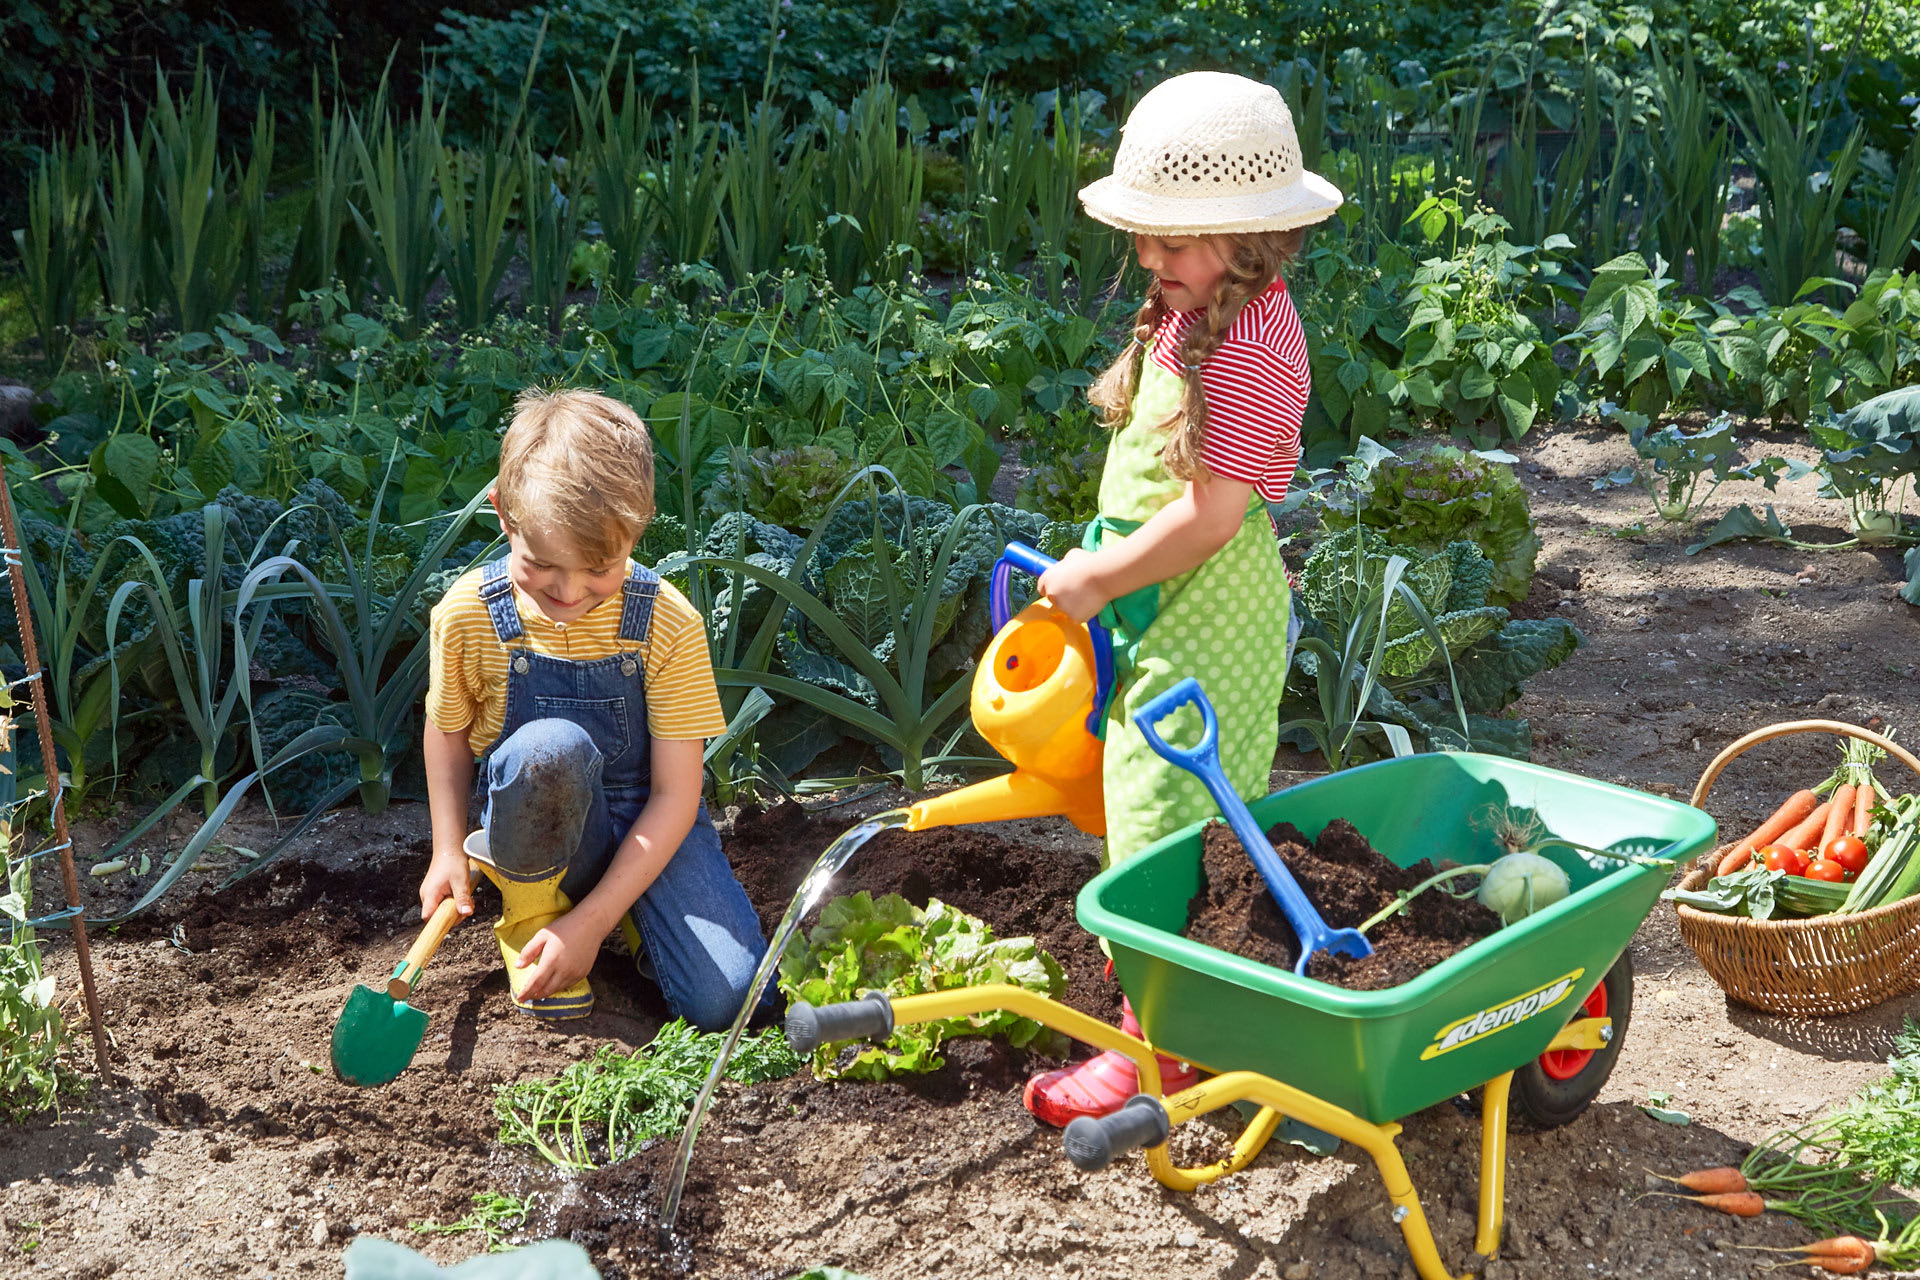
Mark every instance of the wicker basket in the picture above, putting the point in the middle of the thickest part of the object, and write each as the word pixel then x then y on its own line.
pixel 1813 967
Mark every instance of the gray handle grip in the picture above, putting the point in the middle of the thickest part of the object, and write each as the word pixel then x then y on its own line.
pixel 868 1018
pixel 1093 1142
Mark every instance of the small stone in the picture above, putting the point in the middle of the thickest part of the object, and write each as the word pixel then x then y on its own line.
pixel 1186 1240
pixel 220 1151
pixel 319 1233
pixel 1297 1271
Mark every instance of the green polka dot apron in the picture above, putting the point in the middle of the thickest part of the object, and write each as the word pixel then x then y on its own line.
pixel 1224 623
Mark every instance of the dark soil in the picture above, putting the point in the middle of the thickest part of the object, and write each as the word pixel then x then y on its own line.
pixel 1348 881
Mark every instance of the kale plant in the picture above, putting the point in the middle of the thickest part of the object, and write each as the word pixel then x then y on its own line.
pixel 1447 661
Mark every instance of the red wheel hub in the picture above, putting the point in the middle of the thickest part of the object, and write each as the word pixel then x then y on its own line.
pixel 1565 1064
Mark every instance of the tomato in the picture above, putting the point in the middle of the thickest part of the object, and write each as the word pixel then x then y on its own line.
pixel 1821 869
pixel 1849 851
pixel 1777 857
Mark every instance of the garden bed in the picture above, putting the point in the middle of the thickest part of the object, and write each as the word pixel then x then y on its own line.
pixel 221 1153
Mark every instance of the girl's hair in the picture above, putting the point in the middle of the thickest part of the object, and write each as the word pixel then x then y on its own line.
pixel 1253 260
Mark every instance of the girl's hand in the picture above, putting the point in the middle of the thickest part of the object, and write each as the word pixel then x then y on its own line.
pixel 1073 585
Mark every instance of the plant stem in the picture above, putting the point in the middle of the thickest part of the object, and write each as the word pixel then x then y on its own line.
pixel 1401 900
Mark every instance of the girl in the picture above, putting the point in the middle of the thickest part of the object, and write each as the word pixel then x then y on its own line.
pixel 1206 405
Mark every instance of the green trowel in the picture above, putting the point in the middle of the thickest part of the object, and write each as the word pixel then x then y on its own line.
pixel 378 1032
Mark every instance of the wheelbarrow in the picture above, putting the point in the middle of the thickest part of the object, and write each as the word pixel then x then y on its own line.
pixel 1536 1013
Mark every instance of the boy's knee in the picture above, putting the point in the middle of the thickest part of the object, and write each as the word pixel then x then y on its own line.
pixel 548 750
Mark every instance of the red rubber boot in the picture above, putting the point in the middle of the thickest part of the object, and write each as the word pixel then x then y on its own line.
pixel 1100 1085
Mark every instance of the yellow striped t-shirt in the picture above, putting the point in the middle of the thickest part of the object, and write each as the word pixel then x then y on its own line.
pixel 467 688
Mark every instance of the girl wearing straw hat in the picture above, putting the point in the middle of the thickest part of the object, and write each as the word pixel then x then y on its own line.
pixel 1206 406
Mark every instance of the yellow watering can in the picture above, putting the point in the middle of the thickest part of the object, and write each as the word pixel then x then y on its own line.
pixel 1039 696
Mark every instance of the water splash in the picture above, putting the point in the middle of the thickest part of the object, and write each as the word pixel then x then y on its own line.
pixel 810 892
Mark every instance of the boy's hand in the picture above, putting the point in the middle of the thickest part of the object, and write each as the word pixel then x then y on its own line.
pixel 563 952
pixel 446 876
pixel 1072 585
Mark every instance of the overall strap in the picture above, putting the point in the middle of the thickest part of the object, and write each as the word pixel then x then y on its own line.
pixel 496 592
pixel 636 613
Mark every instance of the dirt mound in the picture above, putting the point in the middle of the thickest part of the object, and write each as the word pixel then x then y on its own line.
pixel 1348 881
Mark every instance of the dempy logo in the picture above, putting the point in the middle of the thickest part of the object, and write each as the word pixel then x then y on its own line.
pixel 1500 1016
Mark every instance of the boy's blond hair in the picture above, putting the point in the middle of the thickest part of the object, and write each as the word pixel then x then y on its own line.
pixel 580 464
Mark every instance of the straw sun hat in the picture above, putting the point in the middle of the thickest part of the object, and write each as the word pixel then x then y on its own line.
pixel 1206 153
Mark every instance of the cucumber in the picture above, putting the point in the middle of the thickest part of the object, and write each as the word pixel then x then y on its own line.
pixel 1800 896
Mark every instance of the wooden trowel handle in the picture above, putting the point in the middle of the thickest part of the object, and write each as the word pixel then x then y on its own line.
pixel 445 916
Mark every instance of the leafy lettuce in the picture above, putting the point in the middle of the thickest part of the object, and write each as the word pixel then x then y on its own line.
pixel 887 944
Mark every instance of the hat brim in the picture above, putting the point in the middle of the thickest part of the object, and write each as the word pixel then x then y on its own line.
pixel 1312 199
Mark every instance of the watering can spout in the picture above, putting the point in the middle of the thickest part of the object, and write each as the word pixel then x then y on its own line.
pixel 1013 795
pixel 1040 688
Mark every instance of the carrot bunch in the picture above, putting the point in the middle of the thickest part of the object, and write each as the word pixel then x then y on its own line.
pixel 1807 823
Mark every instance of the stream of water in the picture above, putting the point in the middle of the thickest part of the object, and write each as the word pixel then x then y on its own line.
pixel 810 892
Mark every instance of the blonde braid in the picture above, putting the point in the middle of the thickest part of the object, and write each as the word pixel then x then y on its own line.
pixel 1253 261
pixel 1112 393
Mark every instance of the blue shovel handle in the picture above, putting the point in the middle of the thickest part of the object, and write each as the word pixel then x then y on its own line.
pixel 1203 761
pixel 1019 555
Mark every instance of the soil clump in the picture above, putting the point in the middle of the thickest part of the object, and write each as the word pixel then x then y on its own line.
pixel 1348 880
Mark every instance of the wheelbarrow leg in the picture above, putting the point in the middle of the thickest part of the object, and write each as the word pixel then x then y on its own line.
pixel 1278 1099
pixel 1493 1164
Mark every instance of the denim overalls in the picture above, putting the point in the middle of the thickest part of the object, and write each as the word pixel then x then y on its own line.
pixel 567 778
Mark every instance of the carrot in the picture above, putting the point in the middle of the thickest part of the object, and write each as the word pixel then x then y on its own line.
pixel 1839 1255
pixel 1797 807
pixel 1803 836
pixel 1709 1181
pixel 1842 1255
pixel 1839 814
pixel 1742 1204
pixel 1863 798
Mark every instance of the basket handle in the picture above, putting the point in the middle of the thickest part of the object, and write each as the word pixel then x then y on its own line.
pixel 1741 745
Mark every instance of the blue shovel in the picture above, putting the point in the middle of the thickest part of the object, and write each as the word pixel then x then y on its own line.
pixel 1203 761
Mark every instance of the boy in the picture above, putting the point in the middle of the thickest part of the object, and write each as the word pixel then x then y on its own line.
pixel 581 685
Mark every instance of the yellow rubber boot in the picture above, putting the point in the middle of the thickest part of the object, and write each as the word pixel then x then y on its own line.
pixel 527 907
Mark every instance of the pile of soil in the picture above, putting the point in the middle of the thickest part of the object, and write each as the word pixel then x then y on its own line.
pixel 1348 880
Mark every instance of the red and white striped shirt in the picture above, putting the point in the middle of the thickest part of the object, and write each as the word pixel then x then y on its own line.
pixel 1256 384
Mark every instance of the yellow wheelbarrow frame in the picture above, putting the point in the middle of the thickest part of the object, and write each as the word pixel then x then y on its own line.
pixel 1276 1101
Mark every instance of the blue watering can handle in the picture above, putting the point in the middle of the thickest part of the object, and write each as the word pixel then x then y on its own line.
pixel 1019 555
pixel 1203 761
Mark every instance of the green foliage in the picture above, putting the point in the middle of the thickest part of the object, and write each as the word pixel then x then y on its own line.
pixel 1645 347
pixel 1690 151
pixel 880 614
pixel 1406 647
pixel 1437 495
pixel 1475 362
pixel 890 945
pixel 1797 360
pixel 600 1111
pixel 56 246
pixel 1798 215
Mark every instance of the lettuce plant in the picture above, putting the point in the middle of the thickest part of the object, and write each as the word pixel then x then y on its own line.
pixel 888 944
pixel 1441 494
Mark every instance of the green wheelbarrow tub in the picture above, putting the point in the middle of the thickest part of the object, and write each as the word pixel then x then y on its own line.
pixel 1488 1009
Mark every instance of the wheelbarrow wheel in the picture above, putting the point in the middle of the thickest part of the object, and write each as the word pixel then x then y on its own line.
pixel 1556 1087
